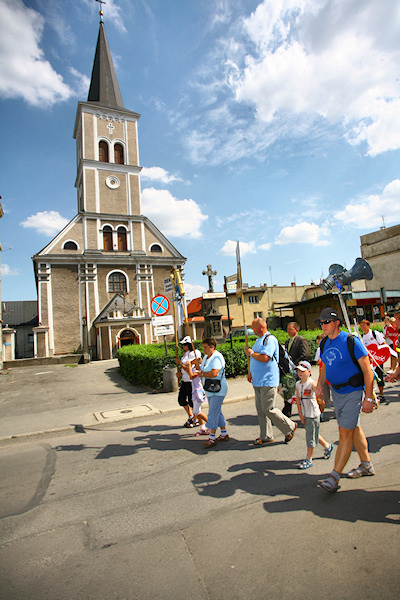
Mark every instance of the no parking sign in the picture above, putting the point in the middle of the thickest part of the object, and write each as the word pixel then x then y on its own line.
pixel 159 305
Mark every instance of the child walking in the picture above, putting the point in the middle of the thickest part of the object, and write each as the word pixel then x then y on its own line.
pixel 309 413
pixel 198 396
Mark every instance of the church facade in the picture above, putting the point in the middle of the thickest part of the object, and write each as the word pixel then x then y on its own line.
pixel 96 278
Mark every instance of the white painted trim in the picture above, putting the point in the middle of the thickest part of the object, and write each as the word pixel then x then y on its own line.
pixel 110 341
pixel 143 237
pixel 71 240
pixel 95 137
pixel 99 344
pixel 97 190
pixel 99 234
pixel 158 244
pixel 83 135
pixel 128 193
pixel 50 313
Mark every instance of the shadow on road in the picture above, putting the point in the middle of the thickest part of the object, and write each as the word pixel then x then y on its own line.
pixel 266 479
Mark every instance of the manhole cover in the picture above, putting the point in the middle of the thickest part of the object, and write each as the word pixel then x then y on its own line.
pixel 121 413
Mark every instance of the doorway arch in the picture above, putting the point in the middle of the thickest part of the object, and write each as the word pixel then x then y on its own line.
pixel 126 337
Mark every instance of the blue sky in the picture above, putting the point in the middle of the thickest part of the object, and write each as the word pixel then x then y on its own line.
pixel 275 123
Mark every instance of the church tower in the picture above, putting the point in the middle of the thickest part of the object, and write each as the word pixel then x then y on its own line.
pixel 97 277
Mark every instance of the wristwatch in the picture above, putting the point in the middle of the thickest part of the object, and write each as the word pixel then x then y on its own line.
pixel 369 399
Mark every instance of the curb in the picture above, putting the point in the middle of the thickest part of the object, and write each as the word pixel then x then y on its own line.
pixel 96 425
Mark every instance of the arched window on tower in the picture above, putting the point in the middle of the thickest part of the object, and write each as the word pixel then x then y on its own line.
pixel 117 282
pixel 107 238
pixel 122 239
pixel 119 154
pixel 103 151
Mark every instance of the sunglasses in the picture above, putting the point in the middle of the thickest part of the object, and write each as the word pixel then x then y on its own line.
pixel 326 322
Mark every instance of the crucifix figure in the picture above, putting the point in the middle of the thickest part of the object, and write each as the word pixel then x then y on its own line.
pixel 210 274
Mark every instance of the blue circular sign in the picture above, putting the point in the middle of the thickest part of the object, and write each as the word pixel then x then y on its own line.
pixel 159 305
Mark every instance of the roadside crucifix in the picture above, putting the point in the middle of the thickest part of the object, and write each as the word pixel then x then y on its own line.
pixel 210 274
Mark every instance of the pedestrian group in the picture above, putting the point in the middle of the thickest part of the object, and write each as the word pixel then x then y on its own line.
pixel 345 379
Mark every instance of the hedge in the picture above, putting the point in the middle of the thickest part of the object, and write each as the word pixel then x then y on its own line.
pixel 143 365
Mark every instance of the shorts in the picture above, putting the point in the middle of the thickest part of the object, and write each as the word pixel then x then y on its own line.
pixel 312 431
pixel 380 376
pixel 185 394
pixel 348 408
pixel 198 397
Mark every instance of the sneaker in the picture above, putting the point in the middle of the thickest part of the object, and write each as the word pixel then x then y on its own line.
pixel 360 471
pixel 328 452
pixel 189 422
pixel 305 464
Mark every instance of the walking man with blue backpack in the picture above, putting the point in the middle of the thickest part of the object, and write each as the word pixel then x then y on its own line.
pixel 346 366
pixel 264 375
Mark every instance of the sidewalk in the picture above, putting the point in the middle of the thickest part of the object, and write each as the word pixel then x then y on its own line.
pixel 55 398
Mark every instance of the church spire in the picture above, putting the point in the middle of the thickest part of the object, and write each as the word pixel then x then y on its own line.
pixel 104 87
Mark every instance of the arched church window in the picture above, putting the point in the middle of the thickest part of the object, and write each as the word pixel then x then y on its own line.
pixel 122 239
pixel 117 282
pixel 107 238
pixel 155 248
pixel 70 245
pixel 119 154
pixel 103 151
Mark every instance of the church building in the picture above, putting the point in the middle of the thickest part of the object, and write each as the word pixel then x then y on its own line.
pixel 96 278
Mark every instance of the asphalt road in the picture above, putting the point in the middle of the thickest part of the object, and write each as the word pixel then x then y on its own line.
pixel 140 510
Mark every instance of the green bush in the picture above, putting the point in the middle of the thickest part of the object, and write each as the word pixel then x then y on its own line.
pixel 143 365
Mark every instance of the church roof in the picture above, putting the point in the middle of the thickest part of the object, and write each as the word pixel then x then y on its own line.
pixel 104 87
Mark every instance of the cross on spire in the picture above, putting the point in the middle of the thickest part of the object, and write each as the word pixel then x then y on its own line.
pixel 210 274
pixel 101 12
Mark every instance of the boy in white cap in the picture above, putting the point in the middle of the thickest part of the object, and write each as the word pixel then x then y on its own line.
pixel 309 413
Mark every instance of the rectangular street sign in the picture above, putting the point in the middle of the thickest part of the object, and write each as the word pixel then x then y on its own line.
pixel 231 278
pixel 166 320
pixel 168 287
pixel 213 295
pixel 164 330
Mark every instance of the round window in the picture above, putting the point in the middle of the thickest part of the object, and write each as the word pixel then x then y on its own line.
pixel 112 182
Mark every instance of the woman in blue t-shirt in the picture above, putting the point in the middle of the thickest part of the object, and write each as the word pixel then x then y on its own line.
pixel 213 367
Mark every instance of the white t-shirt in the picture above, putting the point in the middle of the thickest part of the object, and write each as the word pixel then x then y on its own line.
pixel 368 338
pixel 188 356
pixel 308 400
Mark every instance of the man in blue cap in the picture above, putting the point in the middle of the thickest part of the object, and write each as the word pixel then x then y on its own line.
pixel 346 365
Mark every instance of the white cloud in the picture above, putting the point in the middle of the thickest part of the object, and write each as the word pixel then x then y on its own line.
pixel 158 174
pixel 229 248
pixel 7 271
pixel 326 59
pixel 300 68
pixel 193 291
pixel 175 218
pixel 24 71
pixel 48 222
pixel 303 233
pixel 266 246
pixel 367 212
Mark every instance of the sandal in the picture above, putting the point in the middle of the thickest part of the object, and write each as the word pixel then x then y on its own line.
pixel 223 438
pixel 202 432
pixel 210 443
pixel 328 452
pixel 260 441
pixel 330 484
pixel 360 471
pixel 305 464
pixel 289 437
